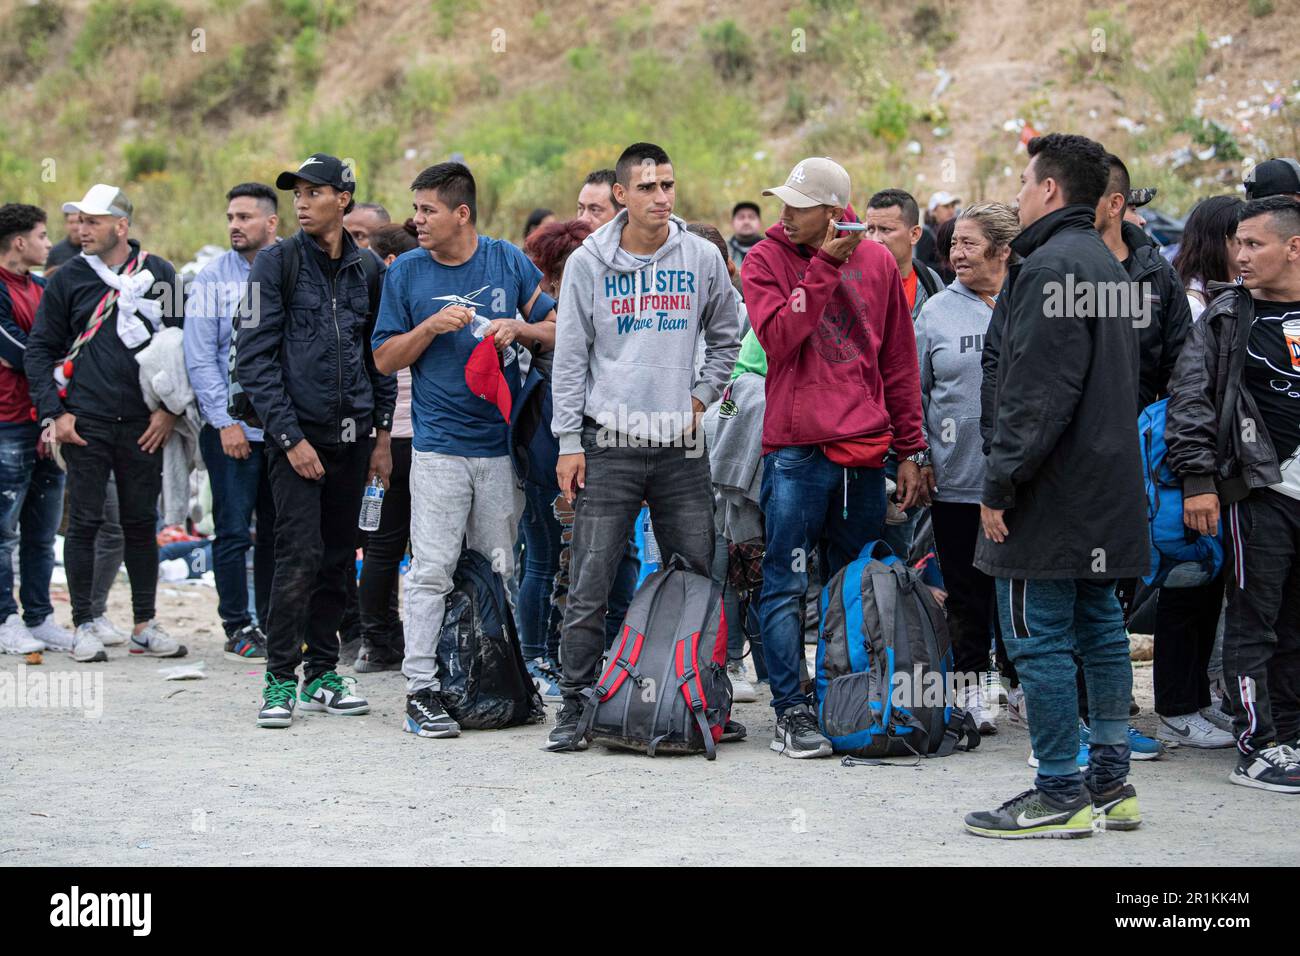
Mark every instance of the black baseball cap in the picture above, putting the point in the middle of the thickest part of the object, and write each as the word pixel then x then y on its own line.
pixel 1274 177
pixel 746 204
pixel 323 170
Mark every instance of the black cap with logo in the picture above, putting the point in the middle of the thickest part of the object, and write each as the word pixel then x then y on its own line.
pixel 323 170
pixel 1274 177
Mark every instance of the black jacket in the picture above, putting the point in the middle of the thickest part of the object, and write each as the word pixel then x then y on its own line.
pixel 306 364
pixel 105 382
pixel 1060 414
pixel 1214 434
pixel 1161 334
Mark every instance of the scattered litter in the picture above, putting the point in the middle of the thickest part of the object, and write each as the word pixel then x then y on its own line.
pixel 914 148
pixel 178 690
pixel 34 658
pixel 313 826
pixel 945 79
pixel 144 846
pixel 412 153
pixel 173 571
pixel 37 813
pixel 1222 41
pixel 191 671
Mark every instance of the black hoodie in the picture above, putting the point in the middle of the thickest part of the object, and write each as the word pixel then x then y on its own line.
pixel 105 383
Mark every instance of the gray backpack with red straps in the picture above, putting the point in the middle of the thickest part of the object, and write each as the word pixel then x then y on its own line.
pixel 665 687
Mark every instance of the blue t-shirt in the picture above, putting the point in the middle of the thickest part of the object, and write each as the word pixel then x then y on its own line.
pixel 446 416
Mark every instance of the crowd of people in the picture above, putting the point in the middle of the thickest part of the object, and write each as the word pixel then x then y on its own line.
pixel 881 376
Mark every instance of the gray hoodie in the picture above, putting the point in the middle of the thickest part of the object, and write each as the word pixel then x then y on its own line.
pixel 949 342
pixel 628 361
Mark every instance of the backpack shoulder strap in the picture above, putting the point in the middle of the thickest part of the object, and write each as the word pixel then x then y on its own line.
pixel 925 277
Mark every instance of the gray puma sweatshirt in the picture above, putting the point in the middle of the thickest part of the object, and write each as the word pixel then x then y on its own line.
pixel 627 327
pixel 950 341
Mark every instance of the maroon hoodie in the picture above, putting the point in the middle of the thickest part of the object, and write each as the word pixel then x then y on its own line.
pixel 841 353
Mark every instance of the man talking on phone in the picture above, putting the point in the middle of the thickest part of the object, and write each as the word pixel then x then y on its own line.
pixel 843 388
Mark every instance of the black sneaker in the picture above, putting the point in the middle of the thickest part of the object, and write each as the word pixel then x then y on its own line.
pixel 1116 809
pixel 373 659
pixel 426 715
pixel 797 734
pixel 247 645
pixel 564 735
pixel 1273 768
pixel 349 648
pixel 1034 815
pixel 732 730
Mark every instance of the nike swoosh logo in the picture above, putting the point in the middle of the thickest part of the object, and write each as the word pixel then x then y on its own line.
pixel 308 162
pixel 1027 821
pixel 1182 732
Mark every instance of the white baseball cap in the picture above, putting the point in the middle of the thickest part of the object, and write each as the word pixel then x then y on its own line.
pixel 102 200
pixel 942 199
pixel 817 181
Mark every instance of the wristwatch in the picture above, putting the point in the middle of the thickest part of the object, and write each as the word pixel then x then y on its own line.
pixel 921 459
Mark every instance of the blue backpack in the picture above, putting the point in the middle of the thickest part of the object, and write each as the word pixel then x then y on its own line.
pixel 1172 542
pixel 883 664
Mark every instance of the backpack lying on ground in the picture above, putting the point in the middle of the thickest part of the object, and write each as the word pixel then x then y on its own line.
pixel 1172 542
pixel 665 688
pixel 485 684
pixel 880 620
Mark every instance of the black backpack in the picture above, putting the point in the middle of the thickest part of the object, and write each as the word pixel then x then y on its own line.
pixel 240 406
pixel 665 687
pixel 485 685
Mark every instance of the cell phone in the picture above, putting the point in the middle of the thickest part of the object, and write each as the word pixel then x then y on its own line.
pixel 850 226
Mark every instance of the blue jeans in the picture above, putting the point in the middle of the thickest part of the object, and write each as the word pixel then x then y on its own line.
pixel 31 506
pixel 1044 624
pixel 239 487
pixel 539 619
pixel 804 497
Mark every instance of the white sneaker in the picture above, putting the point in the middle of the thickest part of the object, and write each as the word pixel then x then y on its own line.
pixel 1215 715
pixel 109 634
pixel 16 639
pixel 155 642
pixel 742 691
pixel 87 647
pixel 1016 706
pixel 1193 730
pixel 972 701
pixel 49 633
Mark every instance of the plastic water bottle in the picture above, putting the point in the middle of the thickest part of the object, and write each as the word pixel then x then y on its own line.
pixel 478 326
pixel 371 503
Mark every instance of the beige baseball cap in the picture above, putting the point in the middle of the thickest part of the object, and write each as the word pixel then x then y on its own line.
pixel 102 200
pixel 817 181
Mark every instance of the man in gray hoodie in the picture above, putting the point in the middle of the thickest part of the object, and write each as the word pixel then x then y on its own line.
pixel 636 297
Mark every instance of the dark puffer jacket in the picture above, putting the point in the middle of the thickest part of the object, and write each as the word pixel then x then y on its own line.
pixel 306 364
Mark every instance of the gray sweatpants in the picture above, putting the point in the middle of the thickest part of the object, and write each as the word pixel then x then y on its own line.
pixel 452 499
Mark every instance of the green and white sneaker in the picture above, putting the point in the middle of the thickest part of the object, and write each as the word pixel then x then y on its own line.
pixel 277 702
pixel 1034 815
pixel 1117 809
pixel 330 693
